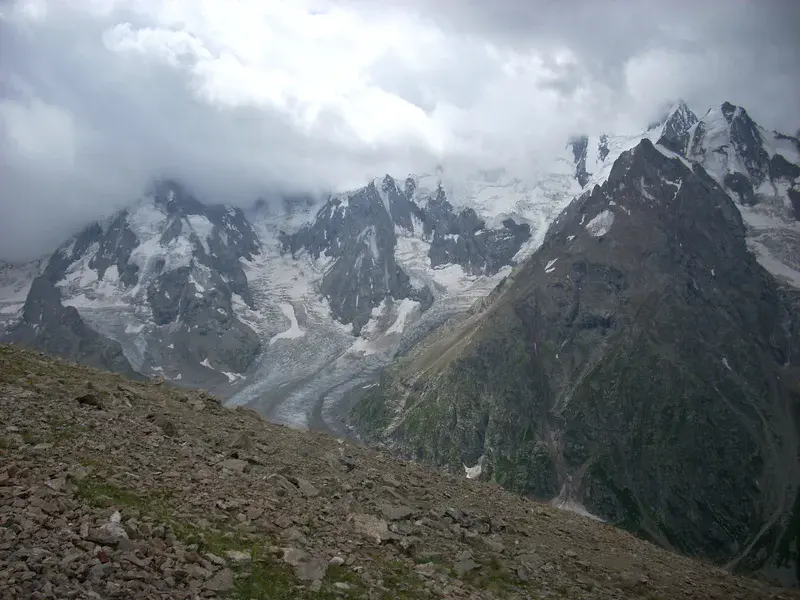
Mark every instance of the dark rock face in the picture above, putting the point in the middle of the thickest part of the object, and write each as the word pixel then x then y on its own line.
pixel 602 148
pixel 200 314
pixel 648 369
pixel 461 238
pixel 482 251
pixel 579 147
pixel 231 237
pixel 50 327
pixel 780 168
pixel 736 152
pixel 675 133
pixel 794 198
pixel 114 247
pixel 357 232
pixel 741 186
pixel 747 141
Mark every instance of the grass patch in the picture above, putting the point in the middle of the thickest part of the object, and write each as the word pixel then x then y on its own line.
pixel 100 493
pixel 264 577
pixel 495 577
pixel 61 430
pixel 422 559
pixel 401 582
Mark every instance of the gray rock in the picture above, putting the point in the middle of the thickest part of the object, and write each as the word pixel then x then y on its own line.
pixel 306 567
pixel 463 567
pixel 397 513
pixel 371 527
pixel 281 483
pixel 312 569
pixel 234 464
pixel 306 488
pixel 222 581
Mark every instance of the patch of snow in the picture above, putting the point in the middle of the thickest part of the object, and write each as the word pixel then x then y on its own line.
pixel 232 377
pixel 134 328
pixel 205 363
pixel 725 362
pixel 362 346
pixel 474 472
pixel 549 268
pixel 196 285
pixel 202 227
pixel 404 310
pixel 601 224
pixel 111 275
pixel 564 502
pixel 773 264
pixel 678 184
pixel 368 236
pixel 294 330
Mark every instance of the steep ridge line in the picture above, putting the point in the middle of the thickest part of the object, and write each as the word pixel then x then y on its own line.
pixel 648 373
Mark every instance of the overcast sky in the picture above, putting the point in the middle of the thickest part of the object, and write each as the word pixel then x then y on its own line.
pixel 245 97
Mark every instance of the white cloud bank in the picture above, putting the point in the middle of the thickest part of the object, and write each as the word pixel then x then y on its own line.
pixel 248 98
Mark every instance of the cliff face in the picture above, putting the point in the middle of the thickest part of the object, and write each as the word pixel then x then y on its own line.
pixel 641 365
pixel 49 326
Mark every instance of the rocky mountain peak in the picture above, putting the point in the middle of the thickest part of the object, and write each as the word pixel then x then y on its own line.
pixel 172 263
pixel 760 170
pixel 675 130
pixel 48 326
pixel 357 233
pixel 638 291
pixel 593 156
pixel 175 198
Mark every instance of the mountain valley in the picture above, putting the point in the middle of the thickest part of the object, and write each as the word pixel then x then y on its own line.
pixel 617 335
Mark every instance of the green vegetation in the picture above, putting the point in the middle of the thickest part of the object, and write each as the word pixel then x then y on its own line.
pixel 264 577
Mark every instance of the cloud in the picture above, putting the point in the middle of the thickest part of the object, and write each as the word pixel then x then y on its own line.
pixel 259 97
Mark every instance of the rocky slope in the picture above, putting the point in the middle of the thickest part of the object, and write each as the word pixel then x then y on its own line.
pixel 117 489
pixel 641 365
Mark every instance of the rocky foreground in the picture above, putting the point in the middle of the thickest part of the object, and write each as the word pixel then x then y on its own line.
pixel 111 488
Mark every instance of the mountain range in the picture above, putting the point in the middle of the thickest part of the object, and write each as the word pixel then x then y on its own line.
pixel 618 333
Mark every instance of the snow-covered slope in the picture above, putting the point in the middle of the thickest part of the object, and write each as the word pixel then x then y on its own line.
pixel 760 170
pixel 161 279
